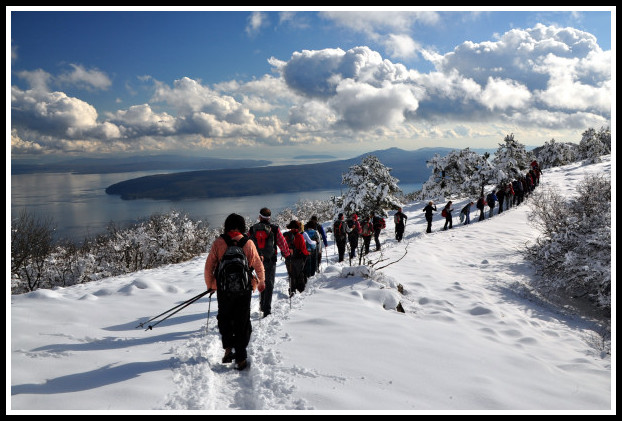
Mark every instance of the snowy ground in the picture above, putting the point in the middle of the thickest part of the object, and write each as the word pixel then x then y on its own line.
pixel 469 340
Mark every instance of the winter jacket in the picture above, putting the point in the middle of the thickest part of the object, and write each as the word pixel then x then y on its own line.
pixel 218 250
pixel 428 210
pixel 300 244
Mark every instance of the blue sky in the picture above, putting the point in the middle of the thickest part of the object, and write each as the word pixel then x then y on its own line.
pixel 279 83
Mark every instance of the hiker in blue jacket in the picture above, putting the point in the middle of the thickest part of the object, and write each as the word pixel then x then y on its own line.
pixel 320 229
pixel 491 199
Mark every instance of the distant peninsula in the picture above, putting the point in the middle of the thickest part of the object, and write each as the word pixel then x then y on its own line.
pixel 407 166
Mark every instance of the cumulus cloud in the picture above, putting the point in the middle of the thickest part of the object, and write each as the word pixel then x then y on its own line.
pixel 362 89
pixel 52 111
pixel 537 77
pixel 401 46
pixel 502 94
pixel 522 55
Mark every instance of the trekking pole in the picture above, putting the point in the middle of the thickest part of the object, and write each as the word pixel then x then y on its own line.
pixel 183 305
pixel 208 309
pixel 150 327
pixel 191 300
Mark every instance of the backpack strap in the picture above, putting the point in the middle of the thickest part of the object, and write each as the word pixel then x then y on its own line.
pixel 231 242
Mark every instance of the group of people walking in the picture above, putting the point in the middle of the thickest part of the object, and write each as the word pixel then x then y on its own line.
pixel 506 195
pixel 257 251
pixel 301 246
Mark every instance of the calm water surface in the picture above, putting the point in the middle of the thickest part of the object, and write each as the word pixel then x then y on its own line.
pixel 79 205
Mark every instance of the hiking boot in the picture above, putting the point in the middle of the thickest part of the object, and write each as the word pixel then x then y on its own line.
pixel 228 357
pixel 241 365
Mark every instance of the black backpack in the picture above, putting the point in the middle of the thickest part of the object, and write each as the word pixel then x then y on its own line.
pixel 233 275
pixel 264 238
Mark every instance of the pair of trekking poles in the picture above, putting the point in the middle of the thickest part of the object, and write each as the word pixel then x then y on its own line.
pixel 177 309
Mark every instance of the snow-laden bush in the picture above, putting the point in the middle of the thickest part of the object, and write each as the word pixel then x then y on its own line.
pixel 158 240
pixel 304 209
pixel 573 255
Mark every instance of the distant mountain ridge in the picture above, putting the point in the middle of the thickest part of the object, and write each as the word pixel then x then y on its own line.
pixel 408 167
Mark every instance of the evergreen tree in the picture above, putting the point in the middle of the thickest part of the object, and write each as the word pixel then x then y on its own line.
pixel 555 154
pixel 460 172
pixel 371 188
pixel 511 160
pixel 594 144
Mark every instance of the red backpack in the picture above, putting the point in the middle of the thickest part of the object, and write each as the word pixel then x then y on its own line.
pixel 264 239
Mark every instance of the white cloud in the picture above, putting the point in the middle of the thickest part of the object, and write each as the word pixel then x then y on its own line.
pixel 256 21
pixel 52 111
pixel 362 106
pixel 502 94
pixel 401 46
pixel 86 78
pixel 538 77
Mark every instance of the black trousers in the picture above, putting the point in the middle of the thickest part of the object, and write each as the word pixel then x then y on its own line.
pixel 265 298
pixel 234 322
pixel 429 219
pixel 295 269
pixel 366 242
pixel 354 243
pixel 341 247
pixel 399 232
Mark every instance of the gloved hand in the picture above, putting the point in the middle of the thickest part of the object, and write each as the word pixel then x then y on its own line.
pixel 261 286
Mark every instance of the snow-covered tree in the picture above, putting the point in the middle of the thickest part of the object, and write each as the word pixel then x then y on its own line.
pixel 555 154
pixel 511 160
pixel 459 172
pixel 372 188
pixel 573 255
pixel 594 144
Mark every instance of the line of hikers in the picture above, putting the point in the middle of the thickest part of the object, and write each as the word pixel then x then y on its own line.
pixel 229 270
pixel 505 195
pixel 232 257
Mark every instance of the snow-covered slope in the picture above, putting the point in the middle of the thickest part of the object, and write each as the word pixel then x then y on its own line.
pixel 470 337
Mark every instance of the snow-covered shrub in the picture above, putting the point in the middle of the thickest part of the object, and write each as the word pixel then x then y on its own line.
pixel 573 255
pixel 303 210
pixel 159 240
